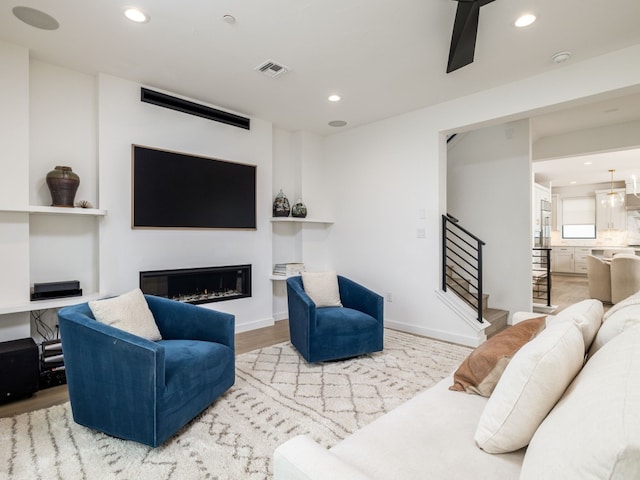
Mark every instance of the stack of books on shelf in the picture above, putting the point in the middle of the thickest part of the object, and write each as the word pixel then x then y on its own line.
pixel 52 371
pixel 288 269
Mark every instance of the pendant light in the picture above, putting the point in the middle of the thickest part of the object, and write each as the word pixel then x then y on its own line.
pixel 612 199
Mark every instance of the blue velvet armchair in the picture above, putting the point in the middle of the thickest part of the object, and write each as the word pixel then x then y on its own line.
pixel 331 333
pixel 136 389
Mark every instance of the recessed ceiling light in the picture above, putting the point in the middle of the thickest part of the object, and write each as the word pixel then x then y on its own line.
pixel 334 98
pixel 560 57
pixel 573 182
pixel 36 18
pixel 588 163
pixel 229 18
pixel 525 20
pixel 136 15
pixel 337 123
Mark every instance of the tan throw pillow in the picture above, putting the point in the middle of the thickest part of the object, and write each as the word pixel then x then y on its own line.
pixel 322 287
pixel 480 371
pixel 530 386
pixel 128 312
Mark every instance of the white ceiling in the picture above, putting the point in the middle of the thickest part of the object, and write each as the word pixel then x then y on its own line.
pixel 383 57
pixel 577 170
pixel 593 168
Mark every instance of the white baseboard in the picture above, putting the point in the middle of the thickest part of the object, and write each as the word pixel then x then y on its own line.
pixel 468 341
pixel 246 327
pixel 280 316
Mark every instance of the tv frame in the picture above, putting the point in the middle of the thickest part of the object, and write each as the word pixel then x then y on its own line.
pixel 145 219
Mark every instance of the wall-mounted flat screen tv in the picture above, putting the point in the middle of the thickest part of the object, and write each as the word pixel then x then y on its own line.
pixel 178 190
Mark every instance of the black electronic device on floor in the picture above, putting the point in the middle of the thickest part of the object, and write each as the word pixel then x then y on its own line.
pixel 19 369
pixel 52 370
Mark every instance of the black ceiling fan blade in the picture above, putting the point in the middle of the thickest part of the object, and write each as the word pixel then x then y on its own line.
pixel 465 31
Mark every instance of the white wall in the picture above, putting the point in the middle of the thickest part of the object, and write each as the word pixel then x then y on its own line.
pixel 14 125
pixel 63 131
pixel 489 191
pixel 601 139
pixel 298 169
pixel 14 161
pixel 380 184
pixel 124 120
pixel 287 238
pixel 382 174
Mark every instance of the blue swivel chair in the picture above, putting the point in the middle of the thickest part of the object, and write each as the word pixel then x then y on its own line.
pixel 332 333
pixel 136 389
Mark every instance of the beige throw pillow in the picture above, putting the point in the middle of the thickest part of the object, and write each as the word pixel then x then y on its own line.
pixel 587 315
pixel 128 312
pixel 530 386
pixel 632 300
pixel 594 430
pixel 322 287
pixel 622 319
pixel 480 371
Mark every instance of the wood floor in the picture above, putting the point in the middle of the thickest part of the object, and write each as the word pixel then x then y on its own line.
pixel 245 342
pixel 565 291
pixel 568 289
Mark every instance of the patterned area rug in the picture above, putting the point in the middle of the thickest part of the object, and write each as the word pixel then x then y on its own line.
pixel 276 396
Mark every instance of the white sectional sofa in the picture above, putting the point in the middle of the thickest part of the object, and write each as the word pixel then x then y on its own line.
pixel 590 430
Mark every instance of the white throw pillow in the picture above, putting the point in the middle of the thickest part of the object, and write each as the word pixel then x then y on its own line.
pixel 632 300
pixel 128 312
pixel 530 386
pixel 594 430
pixel 587 315
pixel 621 320
pixel 322 287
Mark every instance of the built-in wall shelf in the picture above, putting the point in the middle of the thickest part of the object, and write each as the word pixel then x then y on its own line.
pixel 47 304
pixel 281 278
pixel 300 220
pixel 42 209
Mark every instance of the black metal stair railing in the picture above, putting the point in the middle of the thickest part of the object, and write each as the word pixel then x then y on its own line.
pixel 541 275
pixel 462 263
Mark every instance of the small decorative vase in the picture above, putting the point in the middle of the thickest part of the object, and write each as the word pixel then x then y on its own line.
pixel 299 210
pixel 281 206
pixel 63 185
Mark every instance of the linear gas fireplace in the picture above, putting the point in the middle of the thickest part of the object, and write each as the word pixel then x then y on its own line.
pixel 199 285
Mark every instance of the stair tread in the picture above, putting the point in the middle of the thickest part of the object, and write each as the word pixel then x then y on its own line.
pixel 469 297
pixel 498 320
pixel 490 314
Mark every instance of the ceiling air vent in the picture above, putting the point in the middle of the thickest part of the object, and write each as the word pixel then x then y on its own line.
pixel 272 69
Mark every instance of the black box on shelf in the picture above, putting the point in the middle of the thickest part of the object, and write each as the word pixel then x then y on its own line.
pixel 19 370
pixel 56 286
pixel 56 294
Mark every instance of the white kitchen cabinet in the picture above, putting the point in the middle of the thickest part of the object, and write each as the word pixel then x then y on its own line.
pixel 608 218
pixel 570 259
pixel 562 259
pixel 580 255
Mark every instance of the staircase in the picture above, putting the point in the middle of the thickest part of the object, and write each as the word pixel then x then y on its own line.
pixel 495 316
pixel 462 273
